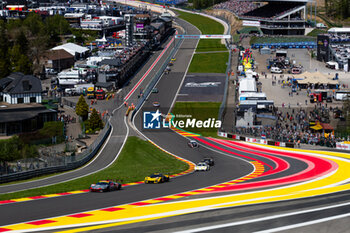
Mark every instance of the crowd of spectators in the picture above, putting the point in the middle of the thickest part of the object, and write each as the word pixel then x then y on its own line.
pixel 249 9
pixel 271 10
pixel 293 125
pixel 236 6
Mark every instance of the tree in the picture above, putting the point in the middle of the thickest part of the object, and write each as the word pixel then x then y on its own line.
pixel 82 108
pixel 9 150
pixel 34 24
pixel 95 121
pixel 55 26
pixel 4 45
pixel 19 61
pixel 23 43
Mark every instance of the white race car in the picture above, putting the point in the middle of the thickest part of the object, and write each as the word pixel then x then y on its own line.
pixel 202 166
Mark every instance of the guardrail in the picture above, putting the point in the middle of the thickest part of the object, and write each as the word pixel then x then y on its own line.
pixel 222 108
pixel 68 162
pixel 256 140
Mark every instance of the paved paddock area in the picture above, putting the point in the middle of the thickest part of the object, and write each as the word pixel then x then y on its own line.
pixel 202 88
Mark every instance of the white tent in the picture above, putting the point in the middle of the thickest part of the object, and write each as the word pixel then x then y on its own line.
pixel 74 49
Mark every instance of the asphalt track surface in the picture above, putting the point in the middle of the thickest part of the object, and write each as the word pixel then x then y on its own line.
pixel 226 167
pixel 116 140
pixel 232 161
pixel 250 218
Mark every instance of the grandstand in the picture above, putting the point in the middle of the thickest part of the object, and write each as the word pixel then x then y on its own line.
pixel 286 17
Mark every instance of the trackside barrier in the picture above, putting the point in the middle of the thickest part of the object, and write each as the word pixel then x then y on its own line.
pixel 70 162
pixel 257 140
pixel 156 77
pixel 342 146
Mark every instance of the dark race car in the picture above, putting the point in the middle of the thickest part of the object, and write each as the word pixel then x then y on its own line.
pixel 105 186
pixel 209 161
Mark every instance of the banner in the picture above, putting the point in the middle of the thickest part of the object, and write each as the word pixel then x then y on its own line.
pixel 251 23
pixel 203 36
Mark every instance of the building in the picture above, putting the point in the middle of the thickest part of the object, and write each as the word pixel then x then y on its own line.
pixel 18 88
pixel 20 108
pixel 58 60
pixel 76 50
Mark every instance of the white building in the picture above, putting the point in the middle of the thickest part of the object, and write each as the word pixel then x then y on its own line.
pixel 18 88
pixel 76 50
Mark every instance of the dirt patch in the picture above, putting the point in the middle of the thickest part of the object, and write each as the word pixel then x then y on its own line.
pixel 235 23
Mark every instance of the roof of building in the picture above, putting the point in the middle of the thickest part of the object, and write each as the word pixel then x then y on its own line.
pixel 71 48
pixel 111 62
pixel 104 85
pixel 23 84
pixel 339 30
pixel 20 114
pixel 58 54
pixel 157 26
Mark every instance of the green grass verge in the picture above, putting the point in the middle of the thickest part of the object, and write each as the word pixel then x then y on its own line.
pixel 138 159
pixel 204 24
pixel 209 63
pixel 316 31
pixel 210 45
pixel 200 111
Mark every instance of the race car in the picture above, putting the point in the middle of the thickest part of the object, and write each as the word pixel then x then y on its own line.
pixel 156 104
pixel 105 186
pixel 193 144
pixel 202 166
pixel 209 161
pixel 156 178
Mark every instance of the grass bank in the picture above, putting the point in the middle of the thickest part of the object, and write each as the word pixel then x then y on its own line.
pixel 200 111
pixel 137 160
pixel 209 63
pixel 316 31
pixel 206 26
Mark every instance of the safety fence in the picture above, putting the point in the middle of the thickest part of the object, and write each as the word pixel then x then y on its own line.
pixel 256 140
pixel 62 163
pixel 222 109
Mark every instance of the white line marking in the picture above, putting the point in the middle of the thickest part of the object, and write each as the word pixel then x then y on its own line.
pixel 274 217
pixel 183 78
pixel 305 223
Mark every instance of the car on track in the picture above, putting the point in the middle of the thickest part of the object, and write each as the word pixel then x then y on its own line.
pixel 202 166
pixel 155 90
pixel 156 104
pixel 105 186
pixel 193 144
pixel 209 161
pixel 156 178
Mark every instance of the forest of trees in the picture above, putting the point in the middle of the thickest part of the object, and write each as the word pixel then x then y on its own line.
pixel 23 42
pixel 339 9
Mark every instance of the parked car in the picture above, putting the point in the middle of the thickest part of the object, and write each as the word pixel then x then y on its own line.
pixel 276 70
